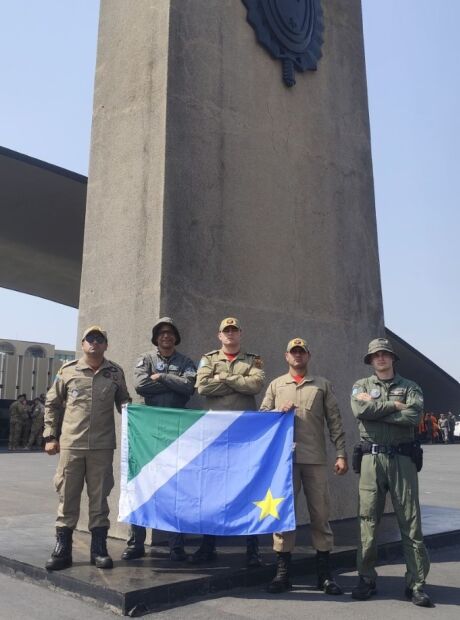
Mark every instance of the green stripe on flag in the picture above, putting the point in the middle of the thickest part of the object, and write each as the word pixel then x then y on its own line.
pixel 161 427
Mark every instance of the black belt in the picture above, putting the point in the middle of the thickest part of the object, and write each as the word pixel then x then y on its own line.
pixel 404 449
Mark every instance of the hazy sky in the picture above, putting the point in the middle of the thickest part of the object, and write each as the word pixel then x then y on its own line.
pixel 47 60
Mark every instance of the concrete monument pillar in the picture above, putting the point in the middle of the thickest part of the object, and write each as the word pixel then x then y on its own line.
pixel 215 190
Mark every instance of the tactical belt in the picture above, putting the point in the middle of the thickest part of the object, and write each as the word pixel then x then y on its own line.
pixel 403 449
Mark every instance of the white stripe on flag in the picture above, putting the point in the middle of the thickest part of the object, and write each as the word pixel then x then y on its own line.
pixel 167 463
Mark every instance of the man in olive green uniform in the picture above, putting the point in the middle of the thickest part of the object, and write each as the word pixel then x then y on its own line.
pixel 80 426
pixel 229 379
pixel 314 404
pixel 388 409
pixel 38 420
pixel 17 419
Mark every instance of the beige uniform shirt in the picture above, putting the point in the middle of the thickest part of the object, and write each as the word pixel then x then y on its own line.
pixel 315 404
pixel 230 386
pixel 79 405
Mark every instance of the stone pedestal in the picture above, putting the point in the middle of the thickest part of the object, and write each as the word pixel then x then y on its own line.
pixel 216 191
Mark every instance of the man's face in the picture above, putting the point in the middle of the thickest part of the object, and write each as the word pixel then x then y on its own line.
pixel 297 359
pixel 382 361
pixel 230 335
pixel 94 343
pixel 166 337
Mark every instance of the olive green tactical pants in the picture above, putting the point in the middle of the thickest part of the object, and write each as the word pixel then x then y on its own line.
pixel 397 475
pixel 16 428
pixel 313 479
pixel 74 468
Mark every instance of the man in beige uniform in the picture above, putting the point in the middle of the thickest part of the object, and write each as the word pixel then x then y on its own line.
pixel 229 379
pixel 314 404
pixel 79 424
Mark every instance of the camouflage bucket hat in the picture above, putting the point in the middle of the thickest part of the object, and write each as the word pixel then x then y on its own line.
pixel 165 320
pixel 379 344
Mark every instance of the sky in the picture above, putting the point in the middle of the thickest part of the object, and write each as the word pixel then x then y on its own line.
pixel 47 64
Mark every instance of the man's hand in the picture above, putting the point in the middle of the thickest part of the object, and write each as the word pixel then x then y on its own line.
pixel 399 406
pixel 289 406
pixel 363 396
pixel 155 377
pixel 52 447
pixel 341 466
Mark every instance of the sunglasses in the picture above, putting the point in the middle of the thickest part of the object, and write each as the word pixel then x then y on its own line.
pixel 99 338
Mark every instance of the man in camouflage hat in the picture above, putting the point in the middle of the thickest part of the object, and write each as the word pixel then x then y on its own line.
pixel 80 426
pixel 18 412
pixel 314 404
pixel 36 430
pixel 164 378
pixel 229 379
pixel 388 409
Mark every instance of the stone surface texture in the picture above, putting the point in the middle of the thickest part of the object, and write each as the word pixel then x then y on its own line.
pixel 216 191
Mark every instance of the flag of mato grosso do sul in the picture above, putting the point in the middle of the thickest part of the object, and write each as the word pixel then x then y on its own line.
pixel 207 472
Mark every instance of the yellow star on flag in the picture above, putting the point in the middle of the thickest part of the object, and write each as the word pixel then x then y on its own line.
pixel 268 506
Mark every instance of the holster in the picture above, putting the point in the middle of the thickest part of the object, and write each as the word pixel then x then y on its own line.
pixel 357 458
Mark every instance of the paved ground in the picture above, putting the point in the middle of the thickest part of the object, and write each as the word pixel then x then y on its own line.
pixel 26 504
pixel 23 600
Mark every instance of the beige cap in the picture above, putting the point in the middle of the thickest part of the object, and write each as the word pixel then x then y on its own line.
pixel 297 342
pixel 379 344
pixel 94 328
pixel 229 322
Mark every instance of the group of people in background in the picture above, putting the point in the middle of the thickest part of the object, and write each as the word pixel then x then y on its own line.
pixel 26 423
pixel 437 429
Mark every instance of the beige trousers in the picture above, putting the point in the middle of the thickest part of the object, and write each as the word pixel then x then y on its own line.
pixel 313 479
pixel 76 467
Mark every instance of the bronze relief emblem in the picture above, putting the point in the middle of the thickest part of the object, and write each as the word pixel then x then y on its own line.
pixel 291 30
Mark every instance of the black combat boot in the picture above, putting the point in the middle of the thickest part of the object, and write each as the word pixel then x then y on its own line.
pixel 136 543
pixel 280 582
pixel 99 553
pixel 419 597
pixel 176 548
pixel 206 552
pixel 253 558
pixel 364 590
pixel 62 554
pixel 325 580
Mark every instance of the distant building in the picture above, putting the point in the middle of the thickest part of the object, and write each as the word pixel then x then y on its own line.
pixel 28 367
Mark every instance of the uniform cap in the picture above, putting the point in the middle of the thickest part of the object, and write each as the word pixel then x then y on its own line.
pixel 229 322
pixel 379 344
pixel 165 320
pixel 297 342
pixel 94 328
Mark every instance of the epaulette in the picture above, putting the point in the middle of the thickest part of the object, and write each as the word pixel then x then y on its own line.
pixel 66 364
pixel 252 354
pixel 114 366
pixel 211 352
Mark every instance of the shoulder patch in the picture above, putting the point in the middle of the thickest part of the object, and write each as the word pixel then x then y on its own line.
pixel 203 361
